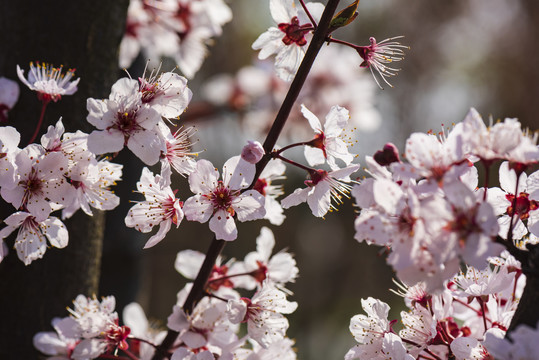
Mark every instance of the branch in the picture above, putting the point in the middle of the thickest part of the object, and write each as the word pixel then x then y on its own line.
pixel 318 40
pixel 216 247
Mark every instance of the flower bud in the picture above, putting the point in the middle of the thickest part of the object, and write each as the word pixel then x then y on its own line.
pixel 252 152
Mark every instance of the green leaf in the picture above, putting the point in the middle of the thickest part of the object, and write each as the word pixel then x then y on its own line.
pixel 345 16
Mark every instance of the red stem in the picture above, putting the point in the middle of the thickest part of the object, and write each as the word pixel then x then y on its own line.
pixel 342 42
pixel 41 116
pixel 514 208
pixel 291 162
pixel 251 273
pixel 291 146
pixel 130 355
pixel 483 310
pixel 313 22
pixel 477 312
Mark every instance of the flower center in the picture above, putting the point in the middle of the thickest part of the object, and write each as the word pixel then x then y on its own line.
pixel 32 186
pixel 260 186
pixel 294 32
pixel 406 222
pixel 316 177
pixel 219 278
pixel 117 335
pixel 148 90
pixel 523 205
pixel 126 122
pixel 261 273
pixel 222 197
pixel 319 142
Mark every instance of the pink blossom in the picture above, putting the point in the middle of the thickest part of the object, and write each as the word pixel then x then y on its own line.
pixel 280 268
pixel 161 207
pixel 49 82
pixel 40 180
pixel 122 120
pixel 377 56
pixel 167 93
pixel 322 189
pixel 9 94
pixel 219 200
pixel 178 154
pixel 263 314
pixel 207 325
pixel 329 143
pixel 32 234
pixel 527 202
pixel 289 40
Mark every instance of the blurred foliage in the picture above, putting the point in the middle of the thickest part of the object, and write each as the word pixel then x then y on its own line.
pixel 463 53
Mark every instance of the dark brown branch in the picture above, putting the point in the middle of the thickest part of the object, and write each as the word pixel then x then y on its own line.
pixel 318 40
pixel 216 247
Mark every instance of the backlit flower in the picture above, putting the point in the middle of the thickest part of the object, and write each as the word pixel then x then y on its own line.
pixel 220 200
pixel 50 82
pixel 377 56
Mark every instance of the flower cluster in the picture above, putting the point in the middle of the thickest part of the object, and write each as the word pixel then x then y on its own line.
pixel 429 212
pixel 178 29
pixel 290 39
pixel 64 173
pixel 58 174
pixel 465 320
pixel 132 117
pixel 254 93
pixel 93 330
pixel 214 323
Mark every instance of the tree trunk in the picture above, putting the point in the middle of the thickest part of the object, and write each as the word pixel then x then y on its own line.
pixel 77 34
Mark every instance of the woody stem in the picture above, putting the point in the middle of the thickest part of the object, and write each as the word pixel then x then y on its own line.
pixel 216 247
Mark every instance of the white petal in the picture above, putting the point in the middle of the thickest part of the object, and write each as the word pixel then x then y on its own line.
pixel 223 225
pixel 297 197
pixel 336 121
pixel 134 317
pixel 204 179
pixel 282 11
pixel 320 199
pixel 106 141
pixel 55 231
pixel 312 118
pixel 265 243
pixel 250 206
pixel 188 263
pixel 314 156
pixel 147 146
pixel 238 173
pixel 164 227
pixel 197 208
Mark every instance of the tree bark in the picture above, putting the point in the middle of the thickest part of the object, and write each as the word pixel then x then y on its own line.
pixel 527 312
pixel 77 34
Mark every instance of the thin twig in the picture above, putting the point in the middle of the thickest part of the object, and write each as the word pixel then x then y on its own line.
pixel 216 246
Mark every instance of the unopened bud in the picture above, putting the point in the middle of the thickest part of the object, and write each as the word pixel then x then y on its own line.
pixel 252 152
pixel 389 154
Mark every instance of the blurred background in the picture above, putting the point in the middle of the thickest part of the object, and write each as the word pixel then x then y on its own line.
pixel 463 53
